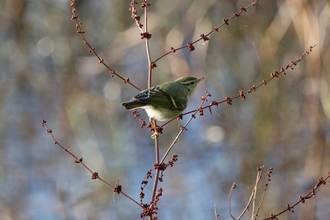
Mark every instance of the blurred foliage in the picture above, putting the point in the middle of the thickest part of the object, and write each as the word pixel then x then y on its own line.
pixel 48 73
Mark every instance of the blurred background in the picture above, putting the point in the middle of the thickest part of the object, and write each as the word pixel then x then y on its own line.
pixel 47 73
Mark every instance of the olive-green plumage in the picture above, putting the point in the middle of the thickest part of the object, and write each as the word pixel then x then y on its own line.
pixel 165 101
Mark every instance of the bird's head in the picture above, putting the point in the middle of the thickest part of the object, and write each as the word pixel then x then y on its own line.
pixel 189 82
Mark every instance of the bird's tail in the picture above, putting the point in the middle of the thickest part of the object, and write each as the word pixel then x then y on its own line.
pixel 130 105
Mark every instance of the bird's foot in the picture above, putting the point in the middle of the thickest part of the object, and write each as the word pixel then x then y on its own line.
pixel 156 129
pixel 154 135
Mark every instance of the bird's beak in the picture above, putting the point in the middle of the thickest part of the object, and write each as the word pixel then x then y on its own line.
pixel 201 79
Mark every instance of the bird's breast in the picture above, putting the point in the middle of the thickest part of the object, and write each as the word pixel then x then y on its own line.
pixel 161 114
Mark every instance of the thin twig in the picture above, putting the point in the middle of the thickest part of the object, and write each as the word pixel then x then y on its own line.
pixel 95 175
pixel 252 196
pixel 260 171
pixel 269 172
pixel 216 215
pixel 254 191
pixel 147 43
pixel 81 32
pixel 154 187
pixel 302 199
pixel 233 186
pixel 205 37
pixel 242 94
pixel 175 139
pixel 182 129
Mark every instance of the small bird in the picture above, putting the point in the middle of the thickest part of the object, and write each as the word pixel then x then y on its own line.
pixel 165 101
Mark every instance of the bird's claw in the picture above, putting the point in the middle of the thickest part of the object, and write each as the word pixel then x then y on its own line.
pixel 154 135
pixel 154 126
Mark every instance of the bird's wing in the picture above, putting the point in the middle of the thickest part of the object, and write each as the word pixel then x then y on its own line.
pixel 158 98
